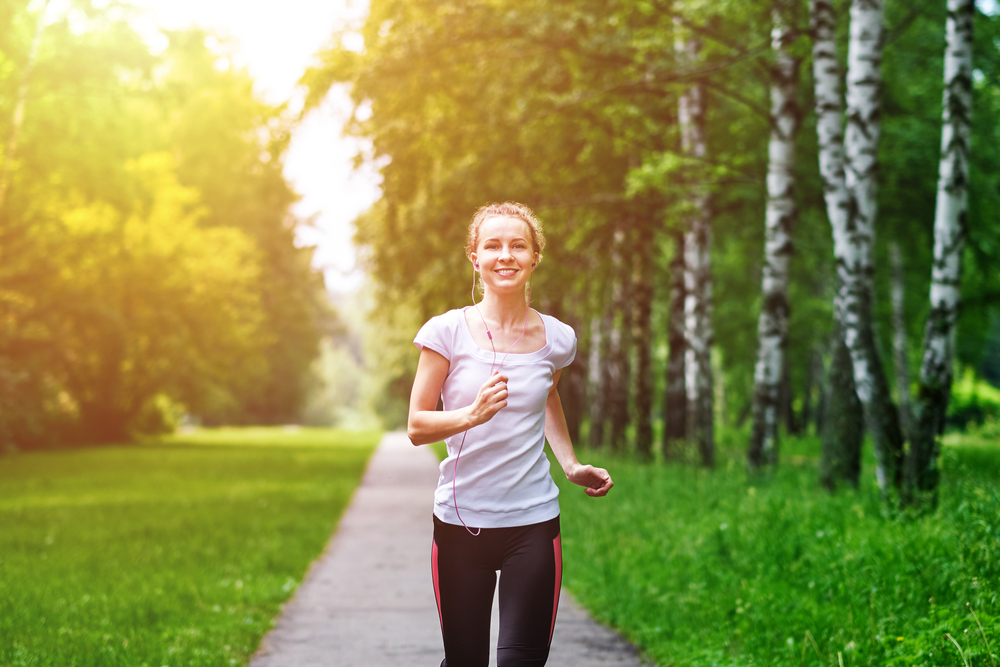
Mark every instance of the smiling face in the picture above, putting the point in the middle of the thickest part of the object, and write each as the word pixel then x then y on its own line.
pixel 505 253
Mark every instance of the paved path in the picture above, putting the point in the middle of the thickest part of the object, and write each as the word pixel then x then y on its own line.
pixel 368 601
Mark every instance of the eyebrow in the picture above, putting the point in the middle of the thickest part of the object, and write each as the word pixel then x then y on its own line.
pixel 493 238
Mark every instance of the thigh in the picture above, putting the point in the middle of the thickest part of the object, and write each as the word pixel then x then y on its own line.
pixel 464 574
pixel 530 579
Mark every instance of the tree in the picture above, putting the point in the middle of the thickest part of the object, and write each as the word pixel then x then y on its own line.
pixel 772 328
pixel 230 146
pixel 843 430
pixel 17 119
pixel 127 293
pixel 697 261
pixel 152 304
pixel 950 231
pixel 674 394
pixel 857 238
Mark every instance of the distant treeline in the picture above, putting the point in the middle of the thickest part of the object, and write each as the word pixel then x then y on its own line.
pixel 147 262
pixel 672 149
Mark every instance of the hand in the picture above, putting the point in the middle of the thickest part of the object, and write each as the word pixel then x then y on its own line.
pixel 597 480
pixel 491 399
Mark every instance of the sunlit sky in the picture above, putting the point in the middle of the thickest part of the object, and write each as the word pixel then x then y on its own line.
pixel 276 41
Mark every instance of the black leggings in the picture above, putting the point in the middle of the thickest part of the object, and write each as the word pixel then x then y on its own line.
pixel 464 571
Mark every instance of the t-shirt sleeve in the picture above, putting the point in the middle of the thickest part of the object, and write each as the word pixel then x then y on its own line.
pixel 565 349
pixel 438 335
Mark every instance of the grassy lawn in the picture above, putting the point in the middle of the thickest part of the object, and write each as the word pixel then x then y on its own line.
pixel 173 553
pixel 440 450
pixel 704 568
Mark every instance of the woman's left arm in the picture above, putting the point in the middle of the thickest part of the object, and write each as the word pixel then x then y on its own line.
pixel 597 480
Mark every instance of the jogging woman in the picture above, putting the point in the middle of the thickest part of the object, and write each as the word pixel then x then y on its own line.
pixel 496 368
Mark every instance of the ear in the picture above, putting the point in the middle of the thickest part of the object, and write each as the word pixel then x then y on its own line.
pixel 472 258
pixel 534 262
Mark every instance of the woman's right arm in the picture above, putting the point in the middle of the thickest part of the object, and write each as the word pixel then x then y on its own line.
pixel 426 423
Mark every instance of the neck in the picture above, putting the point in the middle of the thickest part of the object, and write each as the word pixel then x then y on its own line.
pixel 508 311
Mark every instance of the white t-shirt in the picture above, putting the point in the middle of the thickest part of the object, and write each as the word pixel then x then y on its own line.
pixel 503 475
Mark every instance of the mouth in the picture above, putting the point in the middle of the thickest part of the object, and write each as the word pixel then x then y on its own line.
pixel 505 272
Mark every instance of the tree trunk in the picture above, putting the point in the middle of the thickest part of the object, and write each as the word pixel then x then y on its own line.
pixel 620 339
pixel 19 103
pixel 900 347
pixel 949 239
pixel 850 189
pixel 843 431
pixel 598 374
pixel 643 337
pixel 574 379
pixel 786 399
pixel 864 84
pixel 675 394
pixel 772 326
pixel 813 371
pixel 697 265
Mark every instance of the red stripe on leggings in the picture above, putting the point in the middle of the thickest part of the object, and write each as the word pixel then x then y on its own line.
pixel 434 574
pixel 557 548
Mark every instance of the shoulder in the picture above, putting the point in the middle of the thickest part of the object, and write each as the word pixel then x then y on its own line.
pixel 561 329
pixel 447 320
pixel 440 332
pixel 562 341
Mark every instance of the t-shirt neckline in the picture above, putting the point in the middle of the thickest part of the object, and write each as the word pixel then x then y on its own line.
pixel 514 357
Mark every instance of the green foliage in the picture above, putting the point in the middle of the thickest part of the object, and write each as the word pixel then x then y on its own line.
pixel 973 401
pixel 231 146
pixel 174 552
pixel 147 251
pixel 572 108
pixel 699 568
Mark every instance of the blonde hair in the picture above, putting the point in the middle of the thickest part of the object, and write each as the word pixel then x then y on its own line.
pixel 508 209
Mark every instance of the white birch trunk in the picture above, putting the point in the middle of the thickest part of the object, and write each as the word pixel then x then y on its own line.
pixel 620 341
pixel 949 240
pixel 675 396
pixel 772 326
pixel 851 187
pixel 10 152
pixel 864 84
pixel 829 125
pixel 697 264
pixel 596 384
pixel 642 336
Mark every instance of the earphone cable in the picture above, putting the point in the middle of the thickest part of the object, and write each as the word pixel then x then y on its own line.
pixel 454 474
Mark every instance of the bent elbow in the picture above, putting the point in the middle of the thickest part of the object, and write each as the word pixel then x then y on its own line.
pixel 414 436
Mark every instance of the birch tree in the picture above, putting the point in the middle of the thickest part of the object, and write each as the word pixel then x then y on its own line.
pixel 595 382
pixel 864 84
pixel 900 347
pixel 849 174
pixel 674 395
pixel 772 326
pixel 620 336
pixel 842 431
pixel 949 239
pixel 643 336
pixel 697 262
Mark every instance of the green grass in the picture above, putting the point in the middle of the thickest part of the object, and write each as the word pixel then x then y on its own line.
pixel 172 553
pixel 704 568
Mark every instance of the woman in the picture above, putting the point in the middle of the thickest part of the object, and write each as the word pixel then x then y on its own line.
pixel 496 367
